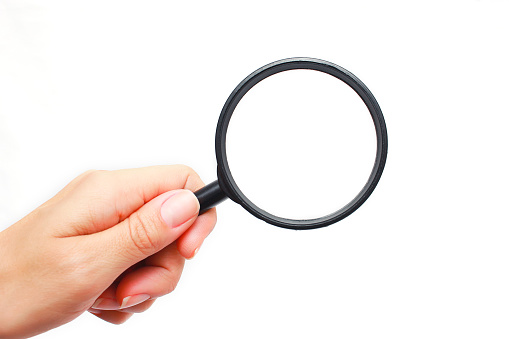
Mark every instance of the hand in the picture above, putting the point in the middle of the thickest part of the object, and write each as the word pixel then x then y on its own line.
pixel 110 242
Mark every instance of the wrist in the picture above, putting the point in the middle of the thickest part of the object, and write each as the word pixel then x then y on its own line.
pixel 11 316
pixel 6 321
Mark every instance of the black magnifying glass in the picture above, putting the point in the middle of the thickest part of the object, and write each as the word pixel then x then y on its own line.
pixel 226 187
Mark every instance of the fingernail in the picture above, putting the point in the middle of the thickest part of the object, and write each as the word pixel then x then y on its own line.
pixel 94 311
pixel 133 300
pixel 105 304
pixel 179 208
pixel 195 251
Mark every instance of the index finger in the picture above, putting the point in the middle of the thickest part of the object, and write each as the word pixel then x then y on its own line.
pixel 102 199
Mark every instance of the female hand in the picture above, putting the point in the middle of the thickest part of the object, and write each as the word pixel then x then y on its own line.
pixel 110 242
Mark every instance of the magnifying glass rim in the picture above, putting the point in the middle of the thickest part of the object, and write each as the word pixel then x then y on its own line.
pixel 225 178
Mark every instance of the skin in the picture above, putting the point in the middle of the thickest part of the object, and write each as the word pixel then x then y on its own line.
pixel 110 243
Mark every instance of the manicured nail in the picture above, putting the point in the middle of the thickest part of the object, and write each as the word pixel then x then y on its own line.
pixel 91 310
pixel 133 300
pixel 105 304
pixel 179 208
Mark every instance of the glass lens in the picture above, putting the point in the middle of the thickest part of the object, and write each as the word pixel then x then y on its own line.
pixel 301 144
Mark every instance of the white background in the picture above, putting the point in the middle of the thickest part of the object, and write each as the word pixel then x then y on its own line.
pixel 117 84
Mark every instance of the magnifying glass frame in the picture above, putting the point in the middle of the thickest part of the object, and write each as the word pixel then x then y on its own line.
pixel 225 186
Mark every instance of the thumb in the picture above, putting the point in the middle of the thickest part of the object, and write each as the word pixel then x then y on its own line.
pixel 154 226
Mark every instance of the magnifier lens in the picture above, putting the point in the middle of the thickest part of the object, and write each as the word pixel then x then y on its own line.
pixel 298 147
pixel 301 144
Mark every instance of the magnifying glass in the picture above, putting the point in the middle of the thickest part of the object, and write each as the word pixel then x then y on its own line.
pixel 226 186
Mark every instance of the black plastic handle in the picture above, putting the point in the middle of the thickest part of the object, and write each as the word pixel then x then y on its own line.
pixel 209 196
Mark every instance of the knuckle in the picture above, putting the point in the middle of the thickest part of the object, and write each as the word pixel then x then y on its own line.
pixel 95 176
pixel 171 277
pixel 92 178
pixel 170 287
pixel 186 170
pixel 143 233
pixel 192 179
pixel 87 173
pixel 170 284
